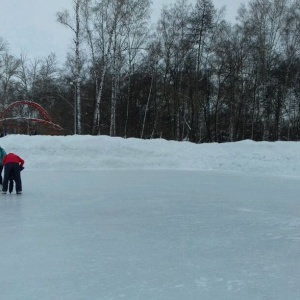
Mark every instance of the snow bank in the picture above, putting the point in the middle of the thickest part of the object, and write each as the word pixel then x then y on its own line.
pixel 103 152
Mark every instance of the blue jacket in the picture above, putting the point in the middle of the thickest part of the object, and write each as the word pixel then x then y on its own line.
pixel 2 154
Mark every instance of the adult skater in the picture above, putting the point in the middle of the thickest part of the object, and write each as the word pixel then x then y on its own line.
pixel 12 167
pixel 12 180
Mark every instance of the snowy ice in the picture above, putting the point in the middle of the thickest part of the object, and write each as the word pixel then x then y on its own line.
pixel 113 218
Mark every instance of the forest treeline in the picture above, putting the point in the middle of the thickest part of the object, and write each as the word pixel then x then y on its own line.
pixel 192 76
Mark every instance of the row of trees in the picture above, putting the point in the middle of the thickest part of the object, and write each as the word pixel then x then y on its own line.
pixel 194 76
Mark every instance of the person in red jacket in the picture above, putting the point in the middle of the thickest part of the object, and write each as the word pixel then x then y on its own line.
pixel 12 167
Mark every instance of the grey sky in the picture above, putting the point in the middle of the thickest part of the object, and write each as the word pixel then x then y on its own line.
pixel 30 25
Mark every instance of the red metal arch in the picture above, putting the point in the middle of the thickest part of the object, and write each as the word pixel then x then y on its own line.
pixel 41 121
pixel 34 105
pixel 46 119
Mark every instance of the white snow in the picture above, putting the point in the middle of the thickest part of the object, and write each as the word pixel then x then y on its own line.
pixel 113 218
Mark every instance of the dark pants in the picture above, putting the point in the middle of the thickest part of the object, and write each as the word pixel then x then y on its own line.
pixel 11 183
pixel 12 170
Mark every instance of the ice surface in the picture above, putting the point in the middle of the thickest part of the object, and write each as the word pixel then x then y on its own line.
pixel 140 233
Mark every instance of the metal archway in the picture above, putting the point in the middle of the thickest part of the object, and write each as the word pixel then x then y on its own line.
pixel 45 120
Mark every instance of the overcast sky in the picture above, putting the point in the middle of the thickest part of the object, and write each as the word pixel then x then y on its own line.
pixel 30 25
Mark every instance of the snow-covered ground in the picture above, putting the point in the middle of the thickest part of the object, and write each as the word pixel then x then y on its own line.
pixel 112 218
pixel 102 152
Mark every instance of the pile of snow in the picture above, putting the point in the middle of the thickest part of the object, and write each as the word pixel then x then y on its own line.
pixel 103 152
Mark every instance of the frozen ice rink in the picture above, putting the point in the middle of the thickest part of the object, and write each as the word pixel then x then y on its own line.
pixel 146 234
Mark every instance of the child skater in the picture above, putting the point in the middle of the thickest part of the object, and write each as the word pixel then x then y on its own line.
pixel 2 154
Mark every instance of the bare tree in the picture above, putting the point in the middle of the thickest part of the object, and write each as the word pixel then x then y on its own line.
pixel 136 36
pixel 101 19
pixel 8 72
pixel 28 75
pixel 264 21
pixel 74 23
pixel 111 30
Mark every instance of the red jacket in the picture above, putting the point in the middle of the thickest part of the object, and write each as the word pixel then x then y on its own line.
pixel 12 158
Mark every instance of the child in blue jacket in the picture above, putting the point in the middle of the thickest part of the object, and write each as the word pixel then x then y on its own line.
pixel 2 154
